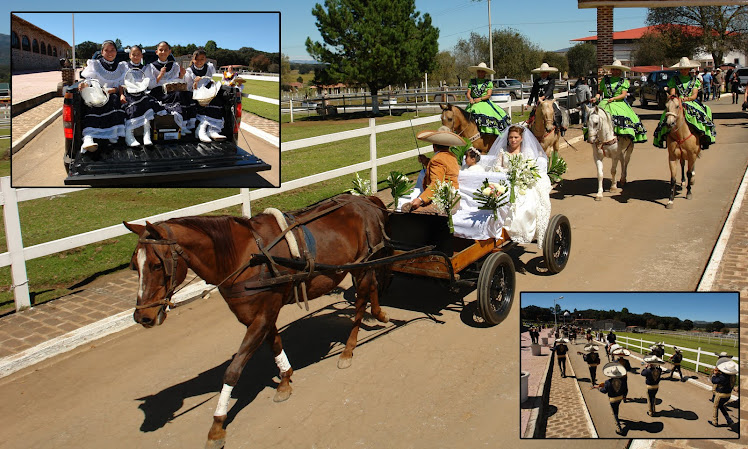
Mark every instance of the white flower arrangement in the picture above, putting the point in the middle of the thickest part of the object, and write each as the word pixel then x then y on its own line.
pixel 522 175
pixel 361 187
pixel 491 196
pixel 445 197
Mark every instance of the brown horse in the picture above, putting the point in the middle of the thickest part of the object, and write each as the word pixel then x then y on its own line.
pixel 460 122
pixel 682 145
pixel 221 250
pixel 544 129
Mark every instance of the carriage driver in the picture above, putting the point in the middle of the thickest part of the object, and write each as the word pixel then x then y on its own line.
pixel 443 166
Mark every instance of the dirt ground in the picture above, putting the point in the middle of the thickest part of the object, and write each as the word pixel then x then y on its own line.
pixel 431 377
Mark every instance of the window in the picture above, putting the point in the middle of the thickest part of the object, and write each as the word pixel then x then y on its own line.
pixel 49 50
pixel 25 43
pixel 35 46
pixel 44 49
pixel 54 51
pixel 14 41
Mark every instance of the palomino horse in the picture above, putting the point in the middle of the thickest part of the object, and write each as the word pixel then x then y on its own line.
pixel 682 145
pixel 606 144
pixel 462 124
pixel 222 250
pixel 544 129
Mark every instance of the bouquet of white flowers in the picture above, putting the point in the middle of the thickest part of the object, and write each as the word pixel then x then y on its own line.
pixel 491 196
pixel 361 186
pixel 522 174
pixel 399 186
pixel 445 197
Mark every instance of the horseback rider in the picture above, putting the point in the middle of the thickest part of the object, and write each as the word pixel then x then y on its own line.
pixel 612 98
pixel 697 114
pixel 490 118
pixel 542 89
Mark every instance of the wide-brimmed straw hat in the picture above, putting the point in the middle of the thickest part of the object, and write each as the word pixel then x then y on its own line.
pixel 676 349
pixel 617 65
pixel 481 66
pixel 722 354
pixel 621 351
pixel 544 67
pixel 653 359
pixel 443 136
pixel 590 348
pixel 613 370
pixel 685 63
pixel 727 366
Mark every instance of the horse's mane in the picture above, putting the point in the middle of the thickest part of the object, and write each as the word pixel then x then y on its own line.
pixel 466 114
pixel 218 229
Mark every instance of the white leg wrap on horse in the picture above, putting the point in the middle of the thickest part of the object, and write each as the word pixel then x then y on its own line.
pixel 223 400
pixel 282 361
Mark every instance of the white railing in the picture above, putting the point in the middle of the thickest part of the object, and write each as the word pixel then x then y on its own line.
pixel 17 254
pixel 701 336
pixel 639 345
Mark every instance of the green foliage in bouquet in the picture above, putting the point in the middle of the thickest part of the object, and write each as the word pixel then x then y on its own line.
pixel 522 174
pixel 445 198
pixel 399 185
pixel 361 186
pixel 556 167
pixel 460 151
pixel 491 196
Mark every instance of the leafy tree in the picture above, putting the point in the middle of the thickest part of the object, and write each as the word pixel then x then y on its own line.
pixel 260 63
pixel 723 27
pixel 86 49
pixel 718 325
pixel 285 70
pixel 687 325
pixel 582 58
pixel 211 46
pixel 557 60
pixel 468 52
pixel 118 43
pixel 446 68
pixel 377 43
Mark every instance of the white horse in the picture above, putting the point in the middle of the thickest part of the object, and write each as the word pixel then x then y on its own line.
pixel 606 144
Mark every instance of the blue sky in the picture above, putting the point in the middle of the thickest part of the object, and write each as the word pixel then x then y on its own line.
pixel 229 30
pixel 549 24
pixel 686 305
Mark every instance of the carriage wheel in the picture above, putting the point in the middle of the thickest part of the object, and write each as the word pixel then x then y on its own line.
pixel 557 243
pixel 496 287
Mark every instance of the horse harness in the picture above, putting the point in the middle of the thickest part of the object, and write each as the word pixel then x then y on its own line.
pixel 678 142
pixel 169 266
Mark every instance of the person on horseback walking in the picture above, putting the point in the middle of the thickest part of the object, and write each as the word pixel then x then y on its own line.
pixel 490 118
pixel 612 98
pixel 697 114
pixel 542 89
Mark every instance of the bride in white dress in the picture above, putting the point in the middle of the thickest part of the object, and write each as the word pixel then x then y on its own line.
pixel 528 217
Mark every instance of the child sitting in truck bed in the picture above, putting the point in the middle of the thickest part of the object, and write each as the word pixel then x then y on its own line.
pixel 177 103
pixel 210 117
pixel 107 121
pixel 139 107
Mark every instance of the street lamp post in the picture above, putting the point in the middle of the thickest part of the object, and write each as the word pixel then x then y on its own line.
pixel 555 322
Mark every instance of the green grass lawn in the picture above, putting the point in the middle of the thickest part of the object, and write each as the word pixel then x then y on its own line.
pixel 684 342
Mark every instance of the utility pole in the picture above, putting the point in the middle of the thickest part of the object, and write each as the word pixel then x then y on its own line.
pixel 490 38
pixel 555 323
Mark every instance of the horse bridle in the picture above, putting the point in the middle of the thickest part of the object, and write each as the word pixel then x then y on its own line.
pixel 679 142
pixel 169 265
pixel 472 138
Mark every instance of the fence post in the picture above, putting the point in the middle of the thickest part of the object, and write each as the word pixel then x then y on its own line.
pixel 290 106
pixel 246 207
pixel 698 358
pixel 373 154
pixel 15 246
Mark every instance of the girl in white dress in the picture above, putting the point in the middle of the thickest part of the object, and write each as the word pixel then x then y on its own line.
pixel 138 106
pixel 209 117
pixel 528 217
pixel 176 103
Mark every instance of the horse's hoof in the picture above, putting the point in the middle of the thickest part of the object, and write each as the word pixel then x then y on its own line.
pixel 215 444
pixel 345 363
pixel 598 198
pixel 282 395
pixel 669 206
pixel 383 318
pixel 688 195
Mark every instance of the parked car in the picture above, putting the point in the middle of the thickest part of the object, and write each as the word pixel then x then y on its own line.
pixel 514 87
pixel 743 75
pixel 655 88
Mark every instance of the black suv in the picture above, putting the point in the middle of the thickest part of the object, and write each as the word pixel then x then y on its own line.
pixel 655 88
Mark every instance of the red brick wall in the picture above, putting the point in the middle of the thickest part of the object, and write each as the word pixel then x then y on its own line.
pixel 604 37
pixel 27 60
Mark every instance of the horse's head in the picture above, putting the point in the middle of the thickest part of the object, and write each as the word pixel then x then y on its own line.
pixel 594 122
pixel 546 109
pixel 448 116
pixel 673 108
pixel 161 265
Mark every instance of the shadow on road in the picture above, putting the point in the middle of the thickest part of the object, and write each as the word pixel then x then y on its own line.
pixel 649 427
pixel 678 414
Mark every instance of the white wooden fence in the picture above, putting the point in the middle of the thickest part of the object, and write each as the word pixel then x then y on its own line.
pixel 17 254
pixel 642 346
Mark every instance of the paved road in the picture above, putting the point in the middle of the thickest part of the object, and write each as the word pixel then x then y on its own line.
pixel 683 407
pixel 39 162
pixel 428 379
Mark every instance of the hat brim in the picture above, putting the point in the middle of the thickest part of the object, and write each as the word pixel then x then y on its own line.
pixel 654 360
pixel 445 138
pixel 727 366
pixel 547 69
pixel 621 351
pixel 613 370
pixel 476 68
pixel 620 67
pixel 689 66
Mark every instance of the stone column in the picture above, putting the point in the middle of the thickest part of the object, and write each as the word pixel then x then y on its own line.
pixel 604 37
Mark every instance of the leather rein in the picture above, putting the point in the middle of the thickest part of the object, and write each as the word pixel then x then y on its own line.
pixel 169 266
pixel 673 133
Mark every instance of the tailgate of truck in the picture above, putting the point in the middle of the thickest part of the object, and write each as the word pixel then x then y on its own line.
pixel 177 164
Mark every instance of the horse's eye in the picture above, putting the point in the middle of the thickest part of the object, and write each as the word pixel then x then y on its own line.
pixel 158 266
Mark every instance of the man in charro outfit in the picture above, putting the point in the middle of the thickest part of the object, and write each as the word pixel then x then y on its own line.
pixel 616 387
pixel 593 360
pixel 724 376
pixel 442 166
pixel 542 89
pixel 675 359
pixel 561 350
pixel 652 374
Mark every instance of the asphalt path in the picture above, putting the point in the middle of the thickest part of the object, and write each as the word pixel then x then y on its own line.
pixel 683 408
pixel 432 377
pixel 40 162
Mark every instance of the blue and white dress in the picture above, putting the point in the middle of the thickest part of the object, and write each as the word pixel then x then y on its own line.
pixel 107 121
pixel 212 114
pixel 140 107
pixel 175 103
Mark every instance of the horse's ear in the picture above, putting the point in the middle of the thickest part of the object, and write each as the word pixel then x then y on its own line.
pixel 153 230
pixel 135 228
pixel 444 106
